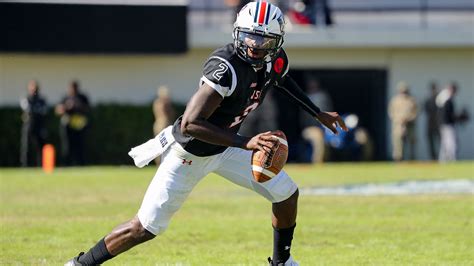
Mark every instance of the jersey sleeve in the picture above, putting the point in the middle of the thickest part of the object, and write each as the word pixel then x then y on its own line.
pixel 294 92
pixel 219 74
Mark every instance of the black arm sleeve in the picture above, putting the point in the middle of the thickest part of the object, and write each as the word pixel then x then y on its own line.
pixel 291 89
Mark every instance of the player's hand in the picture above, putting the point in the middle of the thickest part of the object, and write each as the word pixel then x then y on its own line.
pixel 264 142
pixel 331 120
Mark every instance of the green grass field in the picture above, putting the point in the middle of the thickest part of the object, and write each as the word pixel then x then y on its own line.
pixel 47 219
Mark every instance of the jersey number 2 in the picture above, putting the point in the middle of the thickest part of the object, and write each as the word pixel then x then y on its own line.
pixel 220 72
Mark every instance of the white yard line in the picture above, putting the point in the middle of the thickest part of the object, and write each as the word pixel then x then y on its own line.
pixel 459 186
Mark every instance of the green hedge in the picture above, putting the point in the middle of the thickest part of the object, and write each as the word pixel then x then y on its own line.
pixel 114 129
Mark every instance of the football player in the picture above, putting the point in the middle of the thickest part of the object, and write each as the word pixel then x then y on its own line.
pixel 235 80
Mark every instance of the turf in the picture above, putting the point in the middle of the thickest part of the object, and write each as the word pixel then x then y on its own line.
pixel 48 218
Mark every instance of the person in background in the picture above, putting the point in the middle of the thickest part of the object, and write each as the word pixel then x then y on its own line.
pixel 33 133
pixel 311 12
pixel 449 118
pixel 237 5
pixel 163 111
pixel 74 110
pixel 403 111
pixel 299 13
pixel 352 145
pixel 317 94
pixel 432 121
pixel 320 12
pixel 313 132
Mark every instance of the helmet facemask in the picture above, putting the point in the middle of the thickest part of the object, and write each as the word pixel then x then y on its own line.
pixel 255 47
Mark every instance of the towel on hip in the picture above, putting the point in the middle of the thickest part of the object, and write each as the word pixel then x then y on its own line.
pixel 143 154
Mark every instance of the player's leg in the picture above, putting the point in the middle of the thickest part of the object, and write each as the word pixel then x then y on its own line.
pixel 126 236
pixel 284 223
pixel 122 238
pixel 174 180
pixel 284 212
pixel 280 190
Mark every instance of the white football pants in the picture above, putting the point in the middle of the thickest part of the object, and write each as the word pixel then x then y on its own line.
pixel 180 171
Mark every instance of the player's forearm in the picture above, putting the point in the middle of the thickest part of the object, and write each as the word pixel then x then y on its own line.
pixel 292 90
pixel 207 132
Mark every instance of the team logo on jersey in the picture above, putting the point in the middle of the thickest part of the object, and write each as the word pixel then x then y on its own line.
pixel 220 72
pixel 256 95
pixel 278 65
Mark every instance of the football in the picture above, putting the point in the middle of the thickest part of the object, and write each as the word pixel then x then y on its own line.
pixel 266 167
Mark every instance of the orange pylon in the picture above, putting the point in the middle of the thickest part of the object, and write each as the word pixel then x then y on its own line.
pixel 49 158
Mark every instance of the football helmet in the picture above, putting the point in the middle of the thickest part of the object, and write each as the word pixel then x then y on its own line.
pixel 258 32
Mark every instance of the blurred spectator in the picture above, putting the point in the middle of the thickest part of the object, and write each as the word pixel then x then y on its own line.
pixel 448 116
pixel 320 12
pixel 299 13
pixel 33 134
pixel 313 132
pixel 163 111
pixel 403 111
pixel 237 6
pixel 352 145
pixel 74 110
pixel 318 94
pixel 316 12
pixel 432 121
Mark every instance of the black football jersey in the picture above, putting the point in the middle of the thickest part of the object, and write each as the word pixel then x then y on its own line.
pixel 243 89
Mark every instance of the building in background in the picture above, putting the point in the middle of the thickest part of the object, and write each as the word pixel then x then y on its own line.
pixel 361 58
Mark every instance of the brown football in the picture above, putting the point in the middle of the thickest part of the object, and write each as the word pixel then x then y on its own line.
pixel 265 167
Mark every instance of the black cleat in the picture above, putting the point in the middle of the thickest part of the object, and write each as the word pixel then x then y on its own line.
pixel 75 261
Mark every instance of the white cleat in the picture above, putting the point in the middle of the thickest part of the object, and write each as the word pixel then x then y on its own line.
pixel 289 262
pixel 75 261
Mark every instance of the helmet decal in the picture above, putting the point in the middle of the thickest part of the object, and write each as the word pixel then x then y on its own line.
pixel 278 66
pixel 268 13
pixel 262 13
pixel 256 13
